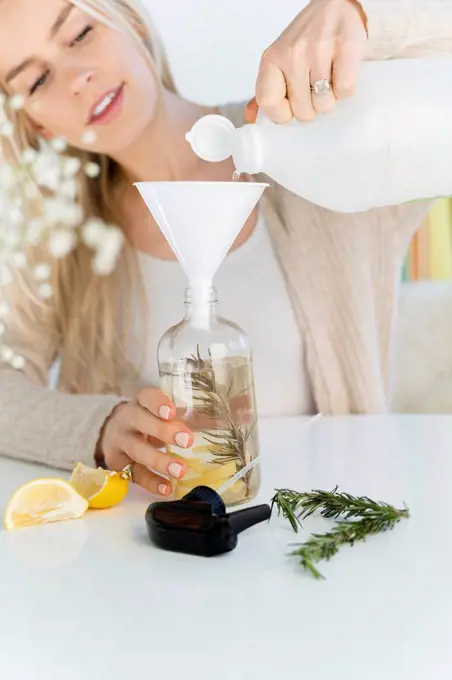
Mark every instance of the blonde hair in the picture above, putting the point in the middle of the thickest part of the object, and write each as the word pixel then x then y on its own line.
pixel 85 306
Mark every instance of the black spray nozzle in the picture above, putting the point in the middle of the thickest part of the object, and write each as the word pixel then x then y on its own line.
pixel 244 519
pixel 198 524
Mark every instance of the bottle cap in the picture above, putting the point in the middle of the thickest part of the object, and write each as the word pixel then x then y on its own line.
pixel 212 138
pixel 204 494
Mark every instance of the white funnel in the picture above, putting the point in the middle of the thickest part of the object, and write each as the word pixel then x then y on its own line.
pixel 200 220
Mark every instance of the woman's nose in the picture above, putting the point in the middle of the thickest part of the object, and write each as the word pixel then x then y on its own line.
pixel 80 80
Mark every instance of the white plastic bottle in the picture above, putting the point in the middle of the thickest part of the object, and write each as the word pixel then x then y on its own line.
pixel 389 144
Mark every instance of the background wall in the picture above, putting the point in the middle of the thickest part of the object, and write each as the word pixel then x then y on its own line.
pixel 215 45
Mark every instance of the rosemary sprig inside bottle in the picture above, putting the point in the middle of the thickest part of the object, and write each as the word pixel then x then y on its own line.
pixel 229 437
pixel 360 517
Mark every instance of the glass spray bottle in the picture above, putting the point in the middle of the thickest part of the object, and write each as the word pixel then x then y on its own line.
pixel 206 369
pixel 205 361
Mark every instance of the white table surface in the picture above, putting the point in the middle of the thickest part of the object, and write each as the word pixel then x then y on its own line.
pixel 92 599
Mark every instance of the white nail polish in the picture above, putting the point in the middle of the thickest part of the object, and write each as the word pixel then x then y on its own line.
pixel 164 412
pixel 175 469
pixel 182 439
pixel 163 489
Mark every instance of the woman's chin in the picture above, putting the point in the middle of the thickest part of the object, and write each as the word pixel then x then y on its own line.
pixel 106 141
pixel 119 137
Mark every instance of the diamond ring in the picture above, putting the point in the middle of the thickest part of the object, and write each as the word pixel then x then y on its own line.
pixel 321 87
pixel 127 473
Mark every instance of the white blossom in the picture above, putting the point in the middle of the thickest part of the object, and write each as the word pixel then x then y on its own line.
pixel 46 170
pixel 107 255
pixel 88 137
pixel 15 217
pixel 57 211
pixel 29 156
pixel 42 272
pixel 59 144
pixel 69 189
pixel 72 214
pixel 6 353
pixel 45 291
pixel 18 260
pixel 103 263
pixel 18 362
pixel 6 129
pixel 17 102
pixel 71 166
pixel 92 169
pixel 4 309
pixel 93 232
pixel 53 211
pixel 61 242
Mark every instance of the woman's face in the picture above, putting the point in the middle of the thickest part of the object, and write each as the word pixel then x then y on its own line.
pixel 76 74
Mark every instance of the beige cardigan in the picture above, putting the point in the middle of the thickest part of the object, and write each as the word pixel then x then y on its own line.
pixel 342 273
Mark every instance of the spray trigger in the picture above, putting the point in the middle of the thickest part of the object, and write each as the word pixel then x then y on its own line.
pixel 198 524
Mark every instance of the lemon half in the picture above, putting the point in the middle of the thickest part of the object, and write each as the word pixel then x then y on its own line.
pixel 41 501
pixel 101 488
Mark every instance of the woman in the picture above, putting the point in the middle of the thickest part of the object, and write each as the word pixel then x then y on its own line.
pixel 84 59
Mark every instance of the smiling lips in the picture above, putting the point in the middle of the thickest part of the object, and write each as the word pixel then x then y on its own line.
pixel 108 107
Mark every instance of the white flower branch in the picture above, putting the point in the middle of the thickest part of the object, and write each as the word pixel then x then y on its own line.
pixel 39 206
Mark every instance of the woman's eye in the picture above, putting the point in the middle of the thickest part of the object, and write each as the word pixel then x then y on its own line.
pixel 39 83
pixel 81 37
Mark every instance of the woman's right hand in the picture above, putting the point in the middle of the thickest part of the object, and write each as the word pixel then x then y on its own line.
pixel 135 431
pixel 326 41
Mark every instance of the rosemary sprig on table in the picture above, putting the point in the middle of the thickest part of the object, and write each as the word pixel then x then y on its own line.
pixel 360 517
pixel 296 506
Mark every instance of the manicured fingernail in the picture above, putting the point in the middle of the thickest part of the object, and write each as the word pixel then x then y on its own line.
pixel 164 412
pixel 175 469
pixel 182 439
pixel 163 488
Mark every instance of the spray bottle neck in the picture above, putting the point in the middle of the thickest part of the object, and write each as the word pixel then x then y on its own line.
pixel 200 304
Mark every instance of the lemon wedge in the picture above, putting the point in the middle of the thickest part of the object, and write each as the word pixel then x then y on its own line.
pixel 237 490
pixel 101 488
pixel 41 501
pixel 216 474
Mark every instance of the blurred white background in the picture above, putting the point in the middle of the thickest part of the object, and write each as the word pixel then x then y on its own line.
pixel 215 45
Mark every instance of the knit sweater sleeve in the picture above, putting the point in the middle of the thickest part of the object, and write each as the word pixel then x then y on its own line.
pixel 408 28
pixel 37 423
pixel 46 426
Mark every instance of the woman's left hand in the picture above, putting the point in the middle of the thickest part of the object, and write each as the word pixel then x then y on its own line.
pixel 325 42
